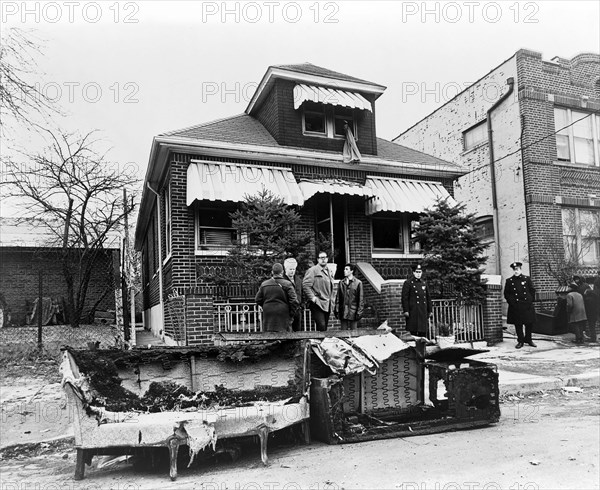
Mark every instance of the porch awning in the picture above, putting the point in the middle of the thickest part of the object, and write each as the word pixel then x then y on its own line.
pixel 329 96
pixel 402 195
pixel 333 186
pixel 221 181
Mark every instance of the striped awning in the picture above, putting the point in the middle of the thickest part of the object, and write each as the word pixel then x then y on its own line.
pixel 221 181
pixel 329 96
pixel 405 196
pixel 333 186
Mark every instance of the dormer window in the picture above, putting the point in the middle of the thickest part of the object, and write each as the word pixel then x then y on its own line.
pixel 313 120
pixel 325 120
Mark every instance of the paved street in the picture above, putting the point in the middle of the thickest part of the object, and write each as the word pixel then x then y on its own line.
pixel 544 440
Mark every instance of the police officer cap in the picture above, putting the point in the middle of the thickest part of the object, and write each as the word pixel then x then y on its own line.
pixel 418 268
pixel 516 264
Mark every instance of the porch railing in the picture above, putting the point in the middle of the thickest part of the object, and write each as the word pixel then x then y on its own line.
pixel 465 322
pixel 453 317
pixel 246 317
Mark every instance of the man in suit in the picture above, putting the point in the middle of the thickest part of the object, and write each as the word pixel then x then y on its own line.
pixel 416 303
pixel 318 291
pixel 289 266
pixel 520 293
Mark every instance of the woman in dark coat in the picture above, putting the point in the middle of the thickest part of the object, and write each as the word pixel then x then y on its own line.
pixel 278 300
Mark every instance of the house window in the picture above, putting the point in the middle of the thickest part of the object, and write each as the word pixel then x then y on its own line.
pixel 475 136
pixel 395 233
pixel 581 236
pixel 577 136
pixel 324 120
pixel 484 227
pixel 340 115
pixel 168 220
pixel 314 118
pixel 214 228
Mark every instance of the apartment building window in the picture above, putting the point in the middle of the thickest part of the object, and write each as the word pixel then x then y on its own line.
pixel 214 229
pixel 484 227
pixel 577 136
pixel 395 234
pixel 474 136
pixel 581 236
pixel 323 120
pixel 167 199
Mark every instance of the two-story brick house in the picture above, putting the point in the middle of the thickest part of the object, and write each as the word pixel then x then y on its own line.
pixel 290 140
pixel 528 136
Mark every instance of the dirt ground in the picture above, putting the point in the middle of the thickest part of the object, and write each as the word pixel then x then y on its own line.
pixel 543 440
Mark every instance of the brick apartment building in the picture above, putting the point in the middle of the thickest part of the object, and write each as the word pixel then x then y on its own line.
pixel 528 135
pixel 289 139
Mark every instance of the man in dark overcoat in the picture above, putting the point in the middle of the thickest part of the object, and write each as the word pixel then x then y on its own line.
pixel 519 294
pixel 278 300
pixel 350 299
pixel 416 303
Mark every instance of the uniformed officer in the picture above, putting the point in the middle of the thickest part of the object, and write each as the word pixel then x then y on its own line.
pixel 520 293
pixel 416 303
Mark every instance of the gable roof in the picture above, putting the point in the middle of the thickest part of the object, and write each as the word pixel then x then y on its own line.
pixel 310 69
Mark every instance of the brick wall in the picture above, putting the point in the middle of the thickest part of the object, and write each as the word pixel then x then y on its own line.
pixel 19 279
pixel 492 314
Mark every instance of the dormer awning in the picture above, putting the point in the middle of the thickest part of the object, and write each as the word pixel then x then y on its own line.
pixel 403 195
pixel 326 95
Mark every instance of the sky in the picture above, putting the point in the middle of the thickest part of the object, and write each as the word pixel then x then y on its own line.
pixel 136 69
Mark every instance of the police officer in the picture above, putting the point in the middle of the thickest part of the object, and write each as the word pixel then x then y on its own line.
pixel 416 303
pixel 520 293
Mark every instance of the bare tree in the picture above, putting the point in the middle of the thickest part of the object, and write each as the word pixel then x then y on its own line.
pixel 76 193
pixel 21 97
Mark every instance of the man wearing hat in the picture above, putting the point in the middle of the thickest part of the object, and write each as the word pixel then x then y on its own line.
pixel 520 293
pixel 416 303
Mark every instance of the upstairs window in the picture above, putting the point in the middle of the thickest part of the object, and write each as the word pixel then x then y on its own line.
pixel 577 136
pixel 328 121
pixel 314 118
pixel 475 136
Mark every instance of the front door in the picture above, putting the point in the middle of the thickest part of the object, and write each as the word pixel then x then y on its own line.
pixel 332 229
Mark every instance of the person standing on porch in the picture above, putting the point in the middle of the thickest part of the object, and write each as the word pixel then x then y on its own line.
pixel 350 299
pixel 519 294
pixel 278 300
pixel 318 290
pixel 289 266
pixel 416 303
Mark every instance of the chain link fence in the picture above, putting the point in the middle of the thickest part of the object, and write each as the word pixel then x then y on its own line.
pixel 33 304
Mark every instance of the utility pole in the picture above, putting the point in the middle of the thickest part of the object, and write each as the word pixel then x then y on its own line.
pixel 128 266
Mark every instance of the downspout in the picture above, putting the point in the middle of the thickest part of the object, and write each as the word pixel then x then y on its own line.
pixel 160 260
pixel 511 84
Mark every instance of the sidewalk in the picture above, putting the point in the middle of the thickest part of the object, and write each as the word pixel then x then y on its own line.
pixel 555 363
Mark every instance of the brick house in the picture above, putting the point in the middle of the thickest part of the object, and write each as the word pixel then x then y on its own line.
pixel 289 139
pixel 536 188
pixel 25 249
